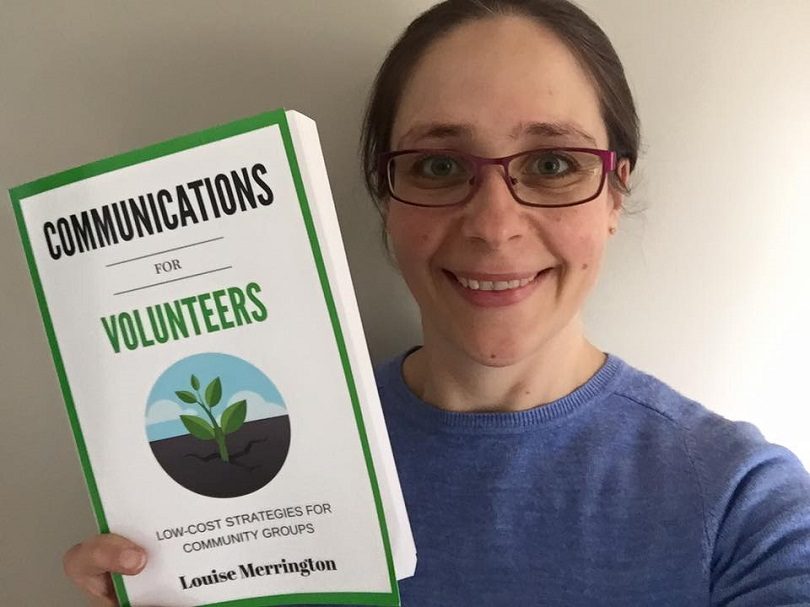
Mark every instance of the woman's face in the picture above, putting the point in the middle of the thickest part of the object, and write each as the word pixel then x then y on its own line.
pixel 492 88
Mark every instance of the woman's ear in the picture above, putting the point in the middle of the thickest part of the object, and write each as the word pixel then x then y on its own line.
pixel 618 194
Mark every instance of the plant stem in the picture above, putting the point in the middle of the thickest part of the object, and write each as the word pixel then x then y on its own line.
pixel 219 435
pixel 223 449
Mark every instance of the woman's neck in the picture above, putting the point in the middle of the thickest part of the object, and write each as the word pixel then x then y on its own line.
pixel 452 380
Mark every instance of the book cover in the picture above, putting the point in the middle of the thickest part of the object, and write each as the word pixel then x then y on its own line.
pixel 199 308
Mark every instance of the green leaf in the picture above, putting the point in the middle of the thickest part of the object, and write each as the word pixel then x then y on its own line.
pixel 198 427
pixel 195 383
pixel 233 417
pixel 186 397
pixel 213 393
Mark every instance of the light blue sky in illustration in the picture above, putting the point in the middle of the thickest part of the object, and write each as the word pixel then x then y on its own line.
pixel 240 381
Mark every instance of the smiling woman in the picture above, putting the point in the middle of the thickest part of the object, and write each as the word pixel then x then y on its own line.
pixel 498 99
pixel 538 470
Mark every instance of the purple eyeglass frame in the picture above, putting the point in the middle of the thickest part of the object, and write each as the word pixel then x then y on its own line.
pixel 608 158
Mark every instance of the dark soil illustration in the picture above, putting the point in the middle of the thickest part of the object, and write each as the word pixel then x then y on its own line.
pixel 257 453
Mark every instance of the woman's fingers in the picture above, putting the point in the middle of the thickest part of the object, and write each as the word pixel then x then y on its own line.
pixel 89 564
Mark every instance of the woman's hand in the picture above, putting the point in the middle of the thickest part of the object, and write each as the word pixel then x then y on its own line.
pixel 90 563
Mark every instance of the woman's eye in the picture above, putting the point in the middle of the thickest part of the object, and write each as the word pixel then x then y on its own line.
pixel 550 165
pixel 438 166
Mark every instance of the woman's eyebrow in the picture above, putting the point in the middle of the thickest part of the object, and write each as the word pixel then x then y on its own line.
pixel 552 129
pixel 437 130
pixel 451 130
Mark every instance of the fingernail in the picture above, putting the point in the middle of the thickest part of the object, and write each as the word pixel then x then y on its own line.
pixel 132 559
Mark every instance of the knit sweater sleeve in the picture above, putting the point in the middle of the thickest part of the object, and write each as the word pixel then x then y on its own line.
pixel 757 515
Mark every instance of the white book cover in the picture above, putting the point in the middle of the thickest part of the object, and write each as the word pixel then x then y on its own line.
pixel 203 324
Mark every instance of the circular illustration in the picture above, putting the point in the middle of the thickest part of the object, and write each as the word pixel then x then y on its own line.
pixel 217 425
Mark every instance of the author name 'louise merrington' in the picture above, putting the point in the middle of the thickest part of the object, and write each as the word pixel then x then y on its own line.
pixel 248 570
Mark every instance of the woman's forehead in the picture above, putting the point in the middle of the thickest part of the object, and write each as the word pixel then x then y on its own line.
pixel 503 77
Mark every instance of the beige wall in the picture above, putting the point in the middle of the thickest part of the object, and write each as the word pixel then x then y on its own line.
pixel 707 288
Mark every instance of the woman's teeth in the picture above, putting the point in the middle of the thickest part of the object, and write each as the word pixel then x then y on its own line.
pixel 493 285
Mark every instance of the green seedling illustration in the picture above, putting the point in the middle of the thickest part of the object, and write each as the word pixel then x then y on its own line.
pixel 232 418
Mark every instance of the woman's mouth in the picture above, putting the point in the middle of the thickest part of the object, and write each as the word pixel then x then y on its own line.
pixel 495 290
pixel 493 285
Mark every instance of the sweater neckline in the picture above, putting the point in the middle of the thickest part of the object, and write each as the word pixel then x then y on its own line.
pixel 598 387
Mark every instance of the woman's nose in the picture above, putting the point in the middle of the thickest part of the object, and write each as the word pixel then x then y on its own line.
pixel 493 215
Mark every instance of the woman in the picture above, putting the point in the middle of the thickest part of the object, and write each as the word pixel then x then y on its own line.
pixel 499 143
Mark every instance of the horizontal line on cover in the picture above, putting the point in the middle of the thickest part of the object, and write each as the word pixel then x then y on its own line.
pixel 185 246
pixel 163 282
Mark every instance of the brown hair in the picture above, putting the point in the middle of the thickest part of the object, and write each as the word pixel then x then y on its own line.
pixel 579 33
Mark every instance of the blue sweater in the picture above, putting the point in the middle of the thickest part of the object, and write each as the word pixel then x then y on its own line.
pixel 622 493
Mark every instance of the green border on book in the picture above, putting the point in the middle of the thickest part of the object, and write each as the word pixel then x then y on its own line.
pixel 173 146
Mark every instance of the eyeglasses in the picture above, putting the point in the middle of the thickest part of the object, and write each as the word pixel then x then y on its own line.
pixel 545 177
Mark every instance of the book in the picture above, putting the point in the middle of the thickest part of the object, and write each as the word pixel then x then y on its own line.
pixel 200 312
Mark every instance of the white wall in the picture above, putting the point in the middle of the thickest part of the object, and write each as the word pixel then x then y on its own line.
pixel 710 288
pixel 707 288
